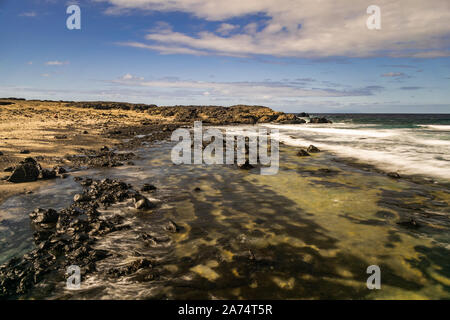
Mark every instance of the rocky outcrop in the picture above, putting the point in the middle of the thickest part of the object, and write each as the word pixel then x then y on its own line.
pixel 29 170
pixel 320 120
pixel 102 105
pixel 67 237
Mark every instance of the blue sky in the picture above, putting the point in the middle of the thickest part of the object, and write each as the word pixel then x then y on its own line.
pixel 289 55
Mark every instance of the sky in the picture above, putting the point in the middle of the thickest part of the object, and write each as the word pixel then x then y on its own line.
pixel 290 55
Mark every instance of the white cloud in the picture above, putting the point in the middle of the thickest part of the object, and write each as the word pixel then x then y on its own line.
pixel 393 74
pixel 226 28
pixel 304 28
pixel 256 92
pixel 56 63
pixel 129 76
pixel 28 14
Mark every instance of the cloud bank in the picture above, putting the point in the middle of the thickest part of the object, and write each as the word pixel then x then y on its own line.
pixel 300 28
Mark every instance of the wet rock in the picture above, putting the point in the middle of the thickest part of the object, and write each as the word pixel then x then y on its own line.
pixel 59 170
pixel 148 187
pixel 67 237
pixel 319 120
pixel 47 174
pixel 26 171
pixel 80 198
pixel 171 226
pixel 312 149
pixel 130 268
pixel 411 223
pixel 9 169
pixel 302 153
pixel 143 203
pixel 393 175
pixel 44 216
pixel 303 115
pixel 287 118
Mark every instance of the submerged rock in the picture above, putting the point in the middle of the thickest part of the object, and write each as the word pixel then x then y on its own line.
pixel 411 223
pixel 171 226
pixel 44 216
pixel 148 187
pixel 303 153
pixel 320 120
pixel 143 203
pixel 313 149
pixel 394 175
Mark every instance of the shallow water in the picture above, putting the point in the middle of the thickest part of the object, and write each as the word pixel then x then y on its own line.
pixel 308 232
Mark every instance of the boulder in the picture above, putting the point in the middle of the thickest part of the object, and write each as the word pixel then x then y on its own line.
pixel 47 174
pixel 312 149
pixel 26 171
pixel 44 216
pixel 303 153
pixel 142 203
pixel 320 120
pixel 171 226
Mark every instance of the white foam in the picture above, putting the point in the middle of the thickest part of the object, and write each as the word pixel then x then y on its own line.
pixel 436 127
pixel 335 131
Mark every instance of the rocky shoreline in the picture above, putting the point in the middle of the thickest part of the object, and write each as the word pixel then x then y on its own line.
pixel 65 237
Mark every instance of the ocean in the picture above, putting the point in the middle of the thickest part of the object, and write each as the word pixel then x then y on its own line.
pixel 411 144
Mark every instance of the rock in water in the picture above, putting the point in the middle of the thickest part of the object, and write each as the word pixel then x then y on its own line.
pixel 313 149
pixel 394 175
pixel 320 120
pixel 47 174
pixel 80 198
pixel 143 203
pixel 44 216
pixel 26 171
pixel 172 227
pixel 303 153
pixel 411 223
pixel 148 187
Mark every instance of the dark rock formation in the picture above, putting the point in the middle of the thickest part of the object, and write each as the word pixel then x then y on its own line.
pixel 303 153
pixel 313 149
pixel 320 120
pixel 28 170
pixel 67 237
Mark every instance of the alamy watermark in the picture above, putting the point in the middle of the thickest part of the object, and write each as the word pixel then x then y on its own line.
pixel 374 20
pixel 374 281
pixel 74 20
pixel 233 149
pixel 74 280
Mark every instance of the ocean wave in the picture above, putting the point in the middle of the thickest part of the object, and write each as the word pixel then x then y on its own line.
pixel 442 127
